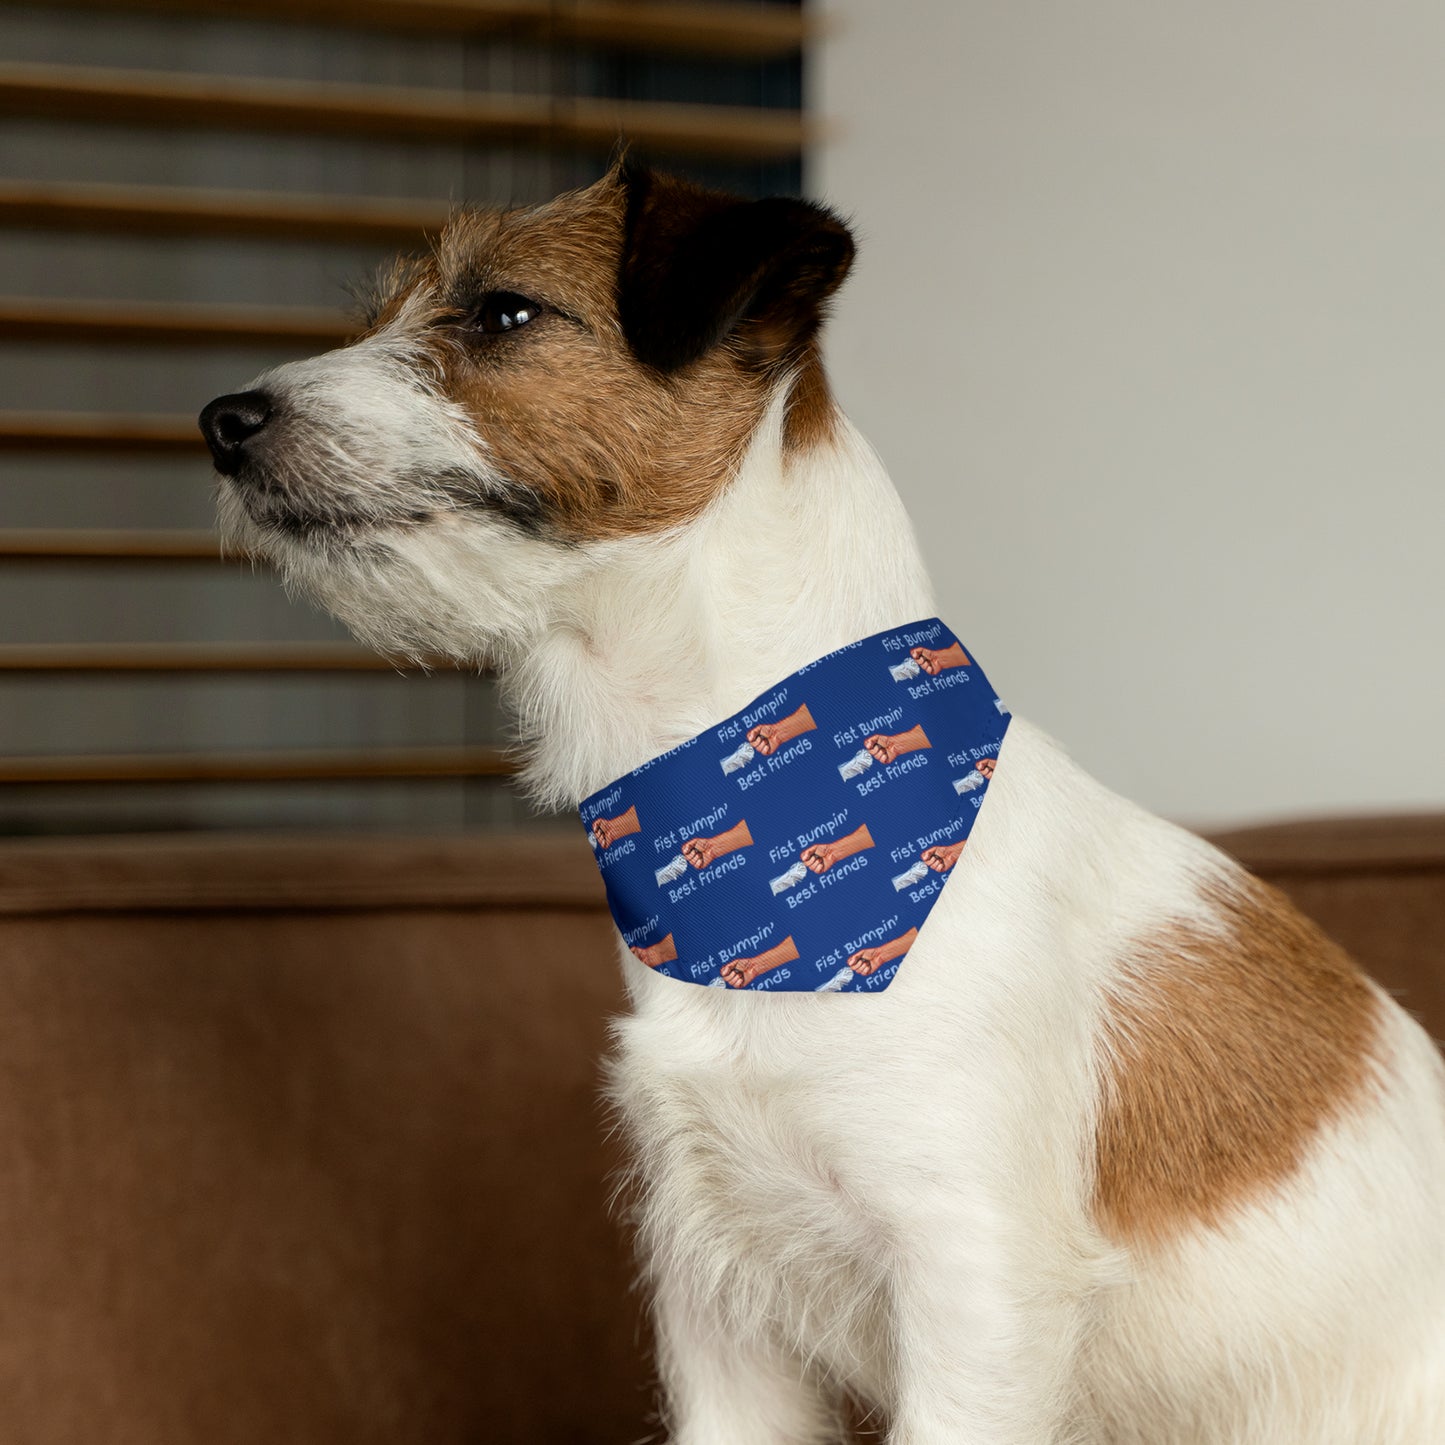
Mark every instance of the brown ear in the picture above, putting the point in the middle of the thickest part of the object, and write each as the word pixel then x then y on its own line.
pixel 700 266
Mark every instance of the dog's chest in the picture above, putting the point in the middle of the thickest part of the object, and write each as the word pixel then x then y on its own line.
pixel 752 1175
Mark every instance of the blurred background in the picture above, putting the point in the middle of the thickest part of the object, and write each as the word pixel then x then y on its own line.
pixel 302 1008
pixel 1149 323
pixel 1146 323
pixel 187 191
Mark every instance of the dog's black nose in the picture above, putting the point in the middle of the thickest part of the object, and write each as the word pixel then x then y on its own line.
pixel 229 422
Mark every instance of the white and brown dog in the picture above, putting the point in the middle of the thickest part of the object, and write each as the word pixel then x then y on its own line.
pixel 1129 1153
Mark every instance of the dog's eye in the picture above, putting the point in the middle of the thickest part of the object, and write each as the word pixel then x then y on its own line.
pixel 504 311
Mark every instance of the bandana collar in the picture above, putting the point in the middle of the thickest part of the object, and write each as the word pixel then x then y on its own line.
pixel 799 845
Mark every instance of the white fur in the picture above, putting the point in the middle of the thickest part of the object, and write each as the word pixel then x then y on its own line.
pixel 891 1194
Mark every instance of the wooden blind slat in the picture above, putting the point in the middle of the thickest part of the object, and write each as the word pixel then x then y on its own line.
pixel 77 544
pixel 708 29
pixel 78 431
pixel 175 210
pixel 170 323
pixel 202 657
pixel 217 102
pixel 98 432
pixel 257 767
pixel 754 32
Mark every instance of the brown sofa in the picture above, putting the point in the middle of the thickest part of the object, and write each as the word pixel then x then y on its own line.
pixel 301 1137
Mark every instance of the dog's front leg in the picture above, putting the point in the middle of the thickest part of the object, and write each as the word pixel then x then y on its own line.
pixel 984 1347
pixel 724 1386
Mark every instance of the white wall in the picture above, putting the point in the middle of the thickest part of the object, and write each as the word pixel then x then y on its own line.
pixel 1149 324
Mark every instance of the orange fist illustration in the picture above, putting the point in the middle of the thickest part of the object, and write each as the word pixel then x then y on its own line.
pixel 702 851
pixel 986 766
pixel 867 961
pixel 654 954
pixel 935 662
pixel 819 857
pixel 608 830
pixel 942 857
pixel 888 748
pixel 767 738
pixel 742 971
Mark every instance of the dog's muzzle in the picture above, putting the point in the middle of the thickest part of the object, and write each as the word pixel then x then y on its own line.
pixel 230 422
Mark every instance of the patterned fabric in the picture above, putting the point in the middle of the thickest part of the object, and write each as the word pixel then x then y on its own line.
pixel 799 845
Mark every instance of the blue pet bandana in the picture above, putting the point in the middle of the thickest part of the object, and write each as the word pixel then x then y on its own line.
pixel 799 845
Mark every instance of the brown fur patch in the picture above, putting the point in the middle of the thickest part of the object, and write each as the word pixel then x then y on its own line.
pixel 812 413
pixel 604 445
pixel 609 447
pixel 1225 1055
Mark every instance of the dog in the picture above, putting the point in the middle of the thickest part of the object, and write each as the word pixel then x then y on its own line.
pixel 1129 1152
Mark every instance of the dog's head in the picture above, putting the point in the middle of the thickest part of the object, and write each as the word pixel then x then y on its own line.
pixel 564 376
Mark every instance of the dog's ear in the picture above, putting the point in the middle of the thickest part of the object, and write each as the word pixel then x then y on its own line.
pixel 699 266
